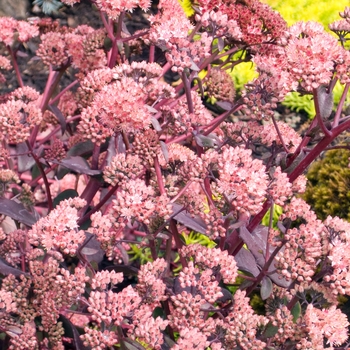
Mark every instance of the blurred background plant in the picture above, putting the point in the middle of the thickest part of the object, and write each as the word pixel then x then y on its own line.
pixel 328 189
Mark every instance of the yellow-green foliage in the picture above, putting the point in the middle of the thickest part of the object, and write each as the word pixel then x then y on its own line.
pixel 298 103
pixel 305 103
pixel 187 7
pixel 242 74
pixel 324 11
pixel 328 190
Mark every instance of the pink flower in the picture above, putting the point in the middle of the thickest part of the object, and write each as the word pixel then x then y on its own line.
pixel 169 22
pixel 121 105
pixel 306 44
pixel 242 179
pixel 113 8
pixel 59 230
pixel 12 29
pixel 330 323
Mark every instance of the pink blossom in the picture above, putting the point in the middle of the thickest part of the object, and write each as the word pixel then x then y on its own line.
pixel 242 179
pixel 59 230
pixel 306 44
pixel 12 29
pixel 114 8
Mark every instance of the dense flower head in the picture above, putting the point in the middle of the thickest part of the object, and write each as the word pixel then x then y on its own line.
pixel 121 106
pixel 242 324
pixel 305 245
pixel 257 133
pixel 256 21
pixel 151 286
pixel 102 228
pixel 330 324
pixel 169 22
pixel 184 53
pixel 90 127
pixel 219 23
pixel 338 254
pixel 219 85
pixel 137 201
pixel 59 230
pixel 191 338
pixel 110 307
pixel 260 97
pixel 212 257
pixel 147 329
pixel 12 29
pixel 114 8
pixel 280 189
pixel 17 118
pixel 53 49
pixel 123 167
pixel 242 179
pixel 4 64
pixel 304 54
pixel 93 82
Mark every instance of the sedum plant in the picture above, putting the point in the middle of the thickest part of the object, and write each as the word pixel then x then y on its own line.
pixel 119 163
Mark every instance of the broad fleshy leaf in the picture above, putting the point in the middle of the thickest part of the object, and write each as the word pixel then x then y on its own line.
pixel 266 288
pixel 79 165
pixel 25 161
pixel 70 331
pixel 196 223
pixel 6 269
pixel 16 211
pixel 60 117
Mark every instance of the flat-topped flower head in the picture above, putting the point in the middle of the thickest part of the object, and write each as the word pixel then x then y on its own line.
pixel 12 30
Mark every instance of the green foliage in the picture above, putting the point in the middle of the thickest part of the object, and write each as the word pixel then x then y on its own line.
pixel 323 11
pixel 242 74
pixel 187 7
pixel 277 211
pixel 328 190
pixel 298 103
pixel 142 254
pixel 195 237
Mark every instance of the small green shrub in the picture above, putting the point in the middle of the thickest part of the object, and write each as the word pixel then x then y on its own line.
pixel 328 190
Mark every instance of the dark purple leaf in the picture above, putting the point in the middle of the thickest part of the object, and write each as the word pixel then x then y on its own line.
pixel 79 165
pixel 71 332
pixel 220 44
pixel 194 66
pixel 132 345
pixel 92 249
pixel 125 29
pixel 82 148
pixel 25 161
pixel 224 105
pixel 60 117
pixel 256 243
pixel 111 151
pixel 156 124
pixel 266 288
pixel 184 218
pixel 246 262
pixel 16 211
pixel 6 270
pixel 165 151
